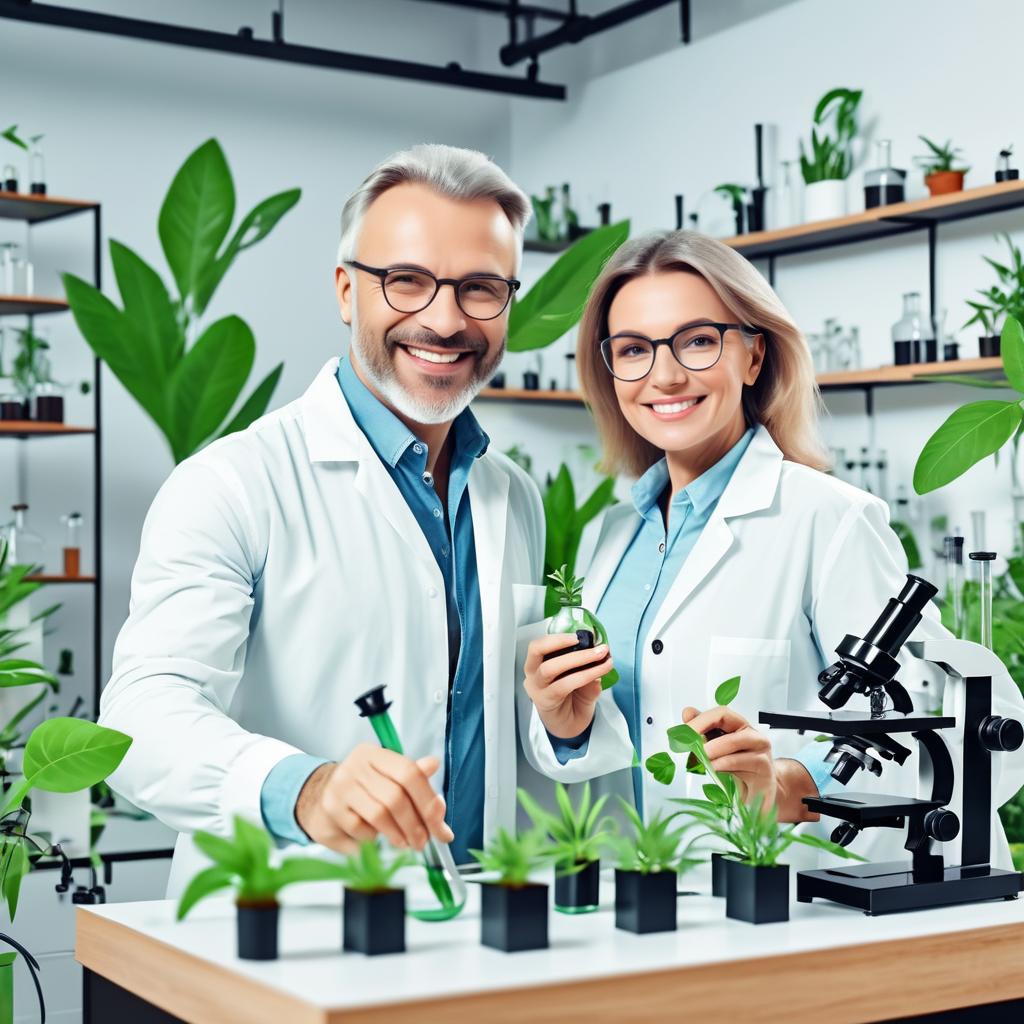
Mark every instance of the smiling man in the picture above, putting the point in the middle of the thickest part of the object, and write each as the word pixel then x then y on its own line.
pixel 362 535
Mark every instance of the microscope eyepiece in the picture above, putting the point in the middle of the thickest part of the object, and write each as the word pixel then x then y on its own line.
pixel 901 616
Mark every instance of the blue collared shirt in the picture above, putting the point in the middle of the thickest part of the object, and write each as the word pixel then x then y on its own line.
pixel 453 545
pixel 642 580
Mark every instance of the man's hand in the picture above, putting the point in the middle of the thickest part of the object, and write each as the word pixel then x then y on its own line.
pixel 746 754
pixel 372 792
pixel 565 689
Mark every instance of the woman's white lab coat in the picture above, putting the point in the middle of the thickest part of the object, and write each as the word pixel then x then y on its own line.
pixel 789 563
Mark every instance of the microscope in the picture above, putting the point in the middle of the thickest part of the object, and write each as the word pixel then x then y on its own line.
pixel 866 741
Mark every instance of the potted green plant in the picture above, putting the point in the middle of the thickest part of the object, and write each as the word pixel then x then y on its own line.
pixel 244 863
pixel 572 617
pixel 579 834
pixel 830 161
pixel 1001 300
pixel 373 913
pixel 940 175
pixel 514 910
pixel 649 861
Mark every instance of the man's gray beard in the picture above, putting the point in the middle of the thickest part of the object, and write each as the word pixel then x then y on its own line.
pixel 380 372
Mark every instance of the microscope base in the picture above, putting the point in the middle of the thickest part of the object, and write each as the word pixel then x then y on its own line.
pixel 890 887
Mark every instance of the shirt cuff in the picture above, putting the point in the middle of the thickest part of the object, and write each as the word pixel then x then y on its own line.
pixel 569 749
pixel 280 793
pixel 812 757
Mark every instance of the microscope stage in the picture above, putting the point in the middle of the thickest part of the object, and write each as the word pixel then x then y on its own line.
pixel 862 809
pixel 853 723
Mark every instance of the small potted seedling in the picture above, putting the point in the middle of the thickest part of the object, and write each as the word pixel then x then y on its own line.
pixel 374 910
pixel 578 835
pixel 649 862
pixel 572 617
pixel 243 863
pixel 940 175
pixel 514 910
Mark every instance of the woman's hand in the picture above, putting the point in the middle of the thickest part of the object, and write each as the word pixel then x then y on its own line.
pixel 564 690
pixel 746 754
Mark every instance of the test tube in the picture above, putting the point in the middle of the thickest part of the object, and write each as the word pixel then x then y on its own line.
pixel 442 874
pixel 978 529
pixel 72 544
pixel 984 560
pixel 955 581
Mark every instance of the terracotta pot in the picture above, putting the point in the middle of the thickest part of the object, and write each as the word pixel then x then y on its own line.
pixel 941 183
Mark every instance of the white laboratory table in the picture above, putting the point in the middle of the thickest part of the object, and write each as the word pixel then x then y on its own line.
pixel 828 963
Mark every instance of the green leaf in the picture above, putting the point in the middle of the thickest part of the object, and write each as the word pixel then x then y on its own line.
pixel 16 867
pixel 963 378
pixel 555 303
pixel 1011 346
pixel 207 382
pixel 256 404
pixel 204 884
pixel 225 853
pixel 662 767
pixel 306 869
pixel 715 796
pixel 970 434
pixel 255 226
pixel 726 693
pixel 64 755
pixel 196 215
pixel 682 738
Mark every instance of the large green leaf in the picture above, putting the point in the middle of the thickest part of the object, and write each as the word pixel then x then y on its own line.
pixel 682 738
pixel 256 225
pixel 205 883
pixel 196 215
pixel 306 869
pixel 64 755
pixel 256 404
pixel 1011 346
pixel 225 853
pixel 149 310
pixel 555 303
pixel 970 434
pixel 15 866
pixel 207 382
pixel 559 511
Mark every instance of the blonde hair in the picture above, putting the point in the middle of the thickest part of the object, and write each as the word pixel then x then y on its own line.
pixel 785 396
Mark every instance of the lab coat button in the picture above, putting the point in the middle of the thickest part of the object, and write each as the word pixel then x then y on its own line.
pixel 650 721
pixel 657 646
pixel 432 592
pixel 439 696
pixel 661 547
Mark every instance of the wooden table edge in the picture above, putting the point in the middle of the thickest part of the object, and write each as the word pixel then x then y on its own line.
pixel 867 981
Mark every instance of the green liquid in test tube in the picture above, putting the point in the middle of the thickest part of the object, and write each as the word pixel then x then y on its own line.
pixel 442 873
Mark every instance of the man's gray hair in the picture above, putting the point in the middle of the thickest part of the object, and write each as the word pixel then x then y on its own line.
pixel 450 171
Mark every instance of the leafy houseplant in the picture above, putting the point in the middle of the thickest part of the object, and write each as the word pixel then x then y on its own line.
pixel 831 157
pixel 186 380
pixel 31 367
pixel 940 175
pixel 544 215
pixel 243 863
pixel 736 194
pixel 579 834
pixel 514 910
pixel 572 617
pixel 999 301
pixel 373 915
pixel 648 863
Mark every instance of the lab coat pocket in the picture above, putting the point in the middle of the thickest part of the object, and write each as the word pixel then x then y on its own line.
pixel 762 663
pixel 527 603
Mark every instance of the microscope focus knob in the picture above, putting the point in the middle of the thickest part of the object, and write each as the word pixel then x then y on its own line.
pixel 1000 734
pixel 844 833
pixel 942 825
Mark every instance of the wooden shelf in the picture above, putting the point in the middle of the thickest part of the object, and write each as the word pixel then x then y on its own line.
pixel 16 305
pixel 51 578
pixel 37 428
pixel 33 209
pixel 881 222
pixel 881 376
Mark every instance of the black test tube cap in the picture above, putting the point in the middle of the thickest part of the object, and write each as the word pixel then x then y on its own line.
pixel 372 702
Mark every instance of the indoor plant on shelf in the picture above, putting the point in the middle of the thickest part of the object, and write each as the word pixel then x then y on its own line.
pixel 830 161
pixel 1001 300
pixel 244 863
pixel 373 912
pixel 514 910
pixel 579 834
pixel 186 380
pixel 940 175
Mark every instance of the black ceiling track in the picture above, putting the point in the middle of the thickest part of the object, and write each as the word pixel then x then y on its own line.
pixel 524 43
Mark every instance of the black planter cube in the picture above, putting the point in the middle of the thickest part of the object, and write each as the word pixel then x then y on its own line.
pixel 373 922
pixel 257 931
pixel 989 345
pixel 759 895
pixel 719 876
pixel 645 903
pixel 579 893
pixel 514 919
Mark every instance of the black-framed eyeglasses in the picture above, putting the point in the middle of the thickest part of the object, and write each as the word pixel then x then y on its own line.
pixel 411 289
pixel 630 357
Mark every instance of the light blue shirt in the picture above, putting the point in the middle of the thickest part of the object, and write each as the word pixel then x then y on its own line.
pixel 641 582
pixel 452 542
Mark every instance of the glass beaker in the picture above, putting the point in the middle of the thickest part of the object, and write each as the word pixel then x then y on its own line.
pixel 72 543
pixel 8 253
pixel 884 184
pixel 24 546
pixel 10 178
pixel 913 339
pixel 49 400
pixel 37 172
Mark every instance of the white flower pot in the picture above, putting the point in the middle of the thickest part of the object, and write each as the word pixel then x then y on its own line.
pixel 824 200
